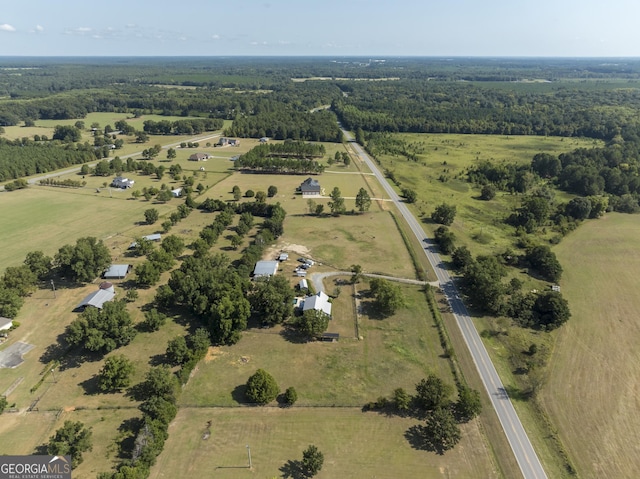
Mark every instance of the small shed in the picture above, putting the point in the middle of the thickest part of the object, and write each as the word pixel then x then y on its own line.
pixel 153 237
pixel 117 271
pixel 302 285
pixel 5 323
pixel 177 193
pixel 283 257
pixel 265 269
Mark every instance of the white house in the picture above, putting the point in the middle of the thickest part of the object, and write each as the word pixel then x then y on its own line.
pixel 319 302
pixel 177 193
pixel 121 182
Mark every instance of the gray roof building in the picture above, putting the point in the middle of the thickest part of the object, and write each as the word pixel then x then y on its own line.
pixel 319 302
pixel 97 299
pixel 118 271
pixel 310 186
pixel 265 268
pixel 5 323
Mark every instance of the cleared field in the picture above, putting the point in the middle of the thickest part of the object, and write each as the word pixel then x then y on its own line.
pixel 354 444
pixel 594 375
pixel 47 218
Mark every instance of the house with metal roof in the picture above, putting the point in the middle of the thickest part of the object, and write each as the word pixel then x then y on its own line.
pixel 153 237
pixel 177 193
pixel 117 271
pixel 265 269
pixel 310 187
pixel 5 323
pixel 96 299
pixel 319 302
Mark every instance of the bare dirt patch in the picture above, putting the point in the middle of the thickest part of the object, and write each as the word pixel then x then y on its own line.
pixel 213 353
pixel 287 248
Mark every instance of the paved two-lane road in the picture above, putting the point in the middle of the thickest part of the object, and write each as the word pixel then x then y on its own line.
pixel 523 450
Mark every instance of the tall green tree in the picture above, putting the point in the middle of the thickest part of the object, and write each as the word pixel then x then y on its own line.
pixel 363 200
pixel 432 393
pixel 272 300
pixel 84 261
pixel 312 461
pixel 116 373
pixel 337 202
pixel 469 404
pixel 389 297
pixel 262 387
pixel 151 215
pixel 441 431
pixel 313 323
pixel 102 329
pixel 444 214
pixel 72 439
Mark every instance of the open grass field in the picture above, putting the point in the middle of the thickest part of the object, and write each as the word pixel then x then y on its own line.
pixel 355 445
pixel 40 218
pixel 594 375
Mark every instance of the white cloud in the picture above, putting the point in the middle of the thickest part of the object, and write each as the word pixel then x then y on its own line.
pixel 5 27
pixel 39 28
pixel 215 36
pixel 83 29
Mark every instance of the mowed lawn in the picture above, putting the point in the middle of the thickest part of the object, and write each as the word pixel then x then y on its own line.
pixel 355 445
pixel 594 374
pixel 396 352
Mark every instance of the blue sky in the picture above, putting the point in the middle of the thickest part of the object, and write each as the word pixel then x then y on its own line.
pixel 321 27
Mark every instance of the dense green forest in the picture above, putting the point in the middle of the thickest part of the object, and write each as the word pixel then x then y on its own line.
pixel 302 98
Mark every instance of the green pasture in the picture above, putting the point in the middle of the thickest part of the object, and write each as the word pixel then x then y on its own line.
pixel 439 176
pixel 355 445
pixel 592 391
pixel 404 347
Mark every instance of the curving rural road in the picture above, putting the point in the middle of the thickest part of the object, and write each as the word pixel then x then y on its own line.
pixel 525 455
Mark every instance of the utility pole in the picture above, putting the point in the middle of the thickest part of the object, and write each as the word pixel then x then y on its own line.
pixel 249 454
pixel 53 374
pixel 53 286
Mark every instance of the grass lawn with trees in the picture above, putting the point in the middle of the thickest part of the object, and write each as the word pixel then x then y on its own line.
pixel 355 445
